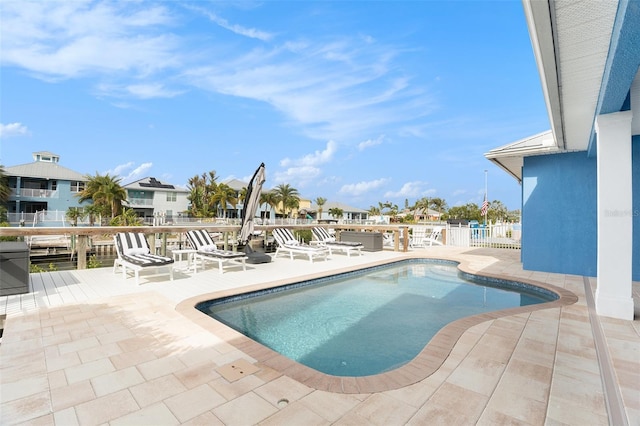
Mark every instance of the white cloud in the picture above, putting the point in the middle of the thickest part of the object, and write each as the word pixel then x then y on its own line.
pixel 336 88
pixel 315 159
pixel 13 129
pixel 360 188
pixel 129 173
pixel 235 28
pixel 139 91
pixel 297 176
pixel 121 168
pixel 370 142
pixel 59 40
pixel 409 189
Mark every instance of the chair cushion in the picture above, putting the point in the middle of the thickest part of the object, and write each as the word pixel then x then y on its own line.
pixel 292 242
pixel 135 251
pixel 209 248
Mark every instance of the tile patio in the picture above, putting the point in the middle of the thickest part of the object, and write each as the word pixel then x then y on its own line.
pixel 86 347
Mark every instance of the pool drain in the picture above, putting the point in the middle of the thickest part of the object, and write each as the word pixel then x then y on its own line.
pixel 283 403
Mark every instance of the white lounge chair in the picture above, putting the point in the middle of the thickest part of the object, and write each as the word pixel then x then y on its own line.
pixel 422 238
pixel 324 239
pixel 207 251
pixel 287 243
pixel 134 254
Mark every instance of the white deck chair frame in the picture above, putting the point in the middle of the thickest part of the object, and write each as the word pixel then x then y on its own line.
pixel 135 255
pixel 207 251
pixel 324 239
pixel 421 238
pixel 288 244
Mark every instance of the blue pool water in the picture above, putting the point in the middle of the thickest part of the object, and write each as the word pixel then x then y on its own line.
pixel 367 322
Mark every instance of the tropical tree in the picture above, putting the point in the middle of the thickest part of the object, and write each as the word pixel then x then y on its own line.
pixel 421 204
pixel 201 190
pixel 242 195
pixel 105 191
pixel 223 196
pixel 497 212
pixel 74 214
pixel 5 191
pixel 127 218
pixel 438 204
pixel 288 197
pixel 270 198
pixel 95 211
pixel 320 202
pixel 469 211
pixel 336 212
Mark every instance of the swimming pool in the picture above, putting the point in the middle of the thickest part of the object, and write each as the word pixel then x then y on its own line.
pixel 366 322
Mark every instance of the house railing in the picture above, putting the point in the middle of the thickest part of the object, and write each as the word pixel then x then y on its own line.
pixel 84 239
pixel 34 193
pixel 506 235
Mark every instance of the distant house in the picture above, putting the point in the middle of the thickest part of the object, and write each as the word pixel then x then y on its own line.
pixel 152 199
pixel 42 185
pixel 263 211
pixel 581 179
pixel 350 213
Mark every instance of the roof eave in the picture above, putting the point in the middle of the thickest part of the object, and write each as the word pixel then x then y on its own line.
pixel 540 21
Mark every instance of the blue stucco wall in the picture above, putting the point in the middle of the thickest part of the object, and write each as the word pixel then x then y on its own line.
pixel 635 157
pixel 559 217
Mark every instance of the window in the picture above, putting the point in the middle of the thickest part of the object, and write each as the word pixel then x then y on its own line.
pixel 54 185
pixel 77 186
pixel 172 196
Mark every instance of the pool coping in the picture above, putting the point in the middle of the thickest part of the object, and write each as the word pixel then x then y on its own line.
pixel 427 362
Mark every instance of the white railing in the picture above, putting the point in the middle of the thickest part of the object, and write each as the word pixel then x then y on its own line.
pixel 140 202
pixel 35 193
pixel 507 235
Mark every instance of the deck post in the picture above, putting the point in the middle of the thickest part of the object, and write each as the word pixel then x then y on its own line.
pixel 81 247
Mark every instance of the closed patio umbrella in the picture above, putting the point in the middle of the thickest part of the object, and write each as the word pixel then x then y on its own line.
pixel 251 202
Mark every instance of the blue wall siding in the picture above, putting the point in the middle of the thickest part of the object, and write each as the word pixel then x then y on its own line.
pixel 635 157
pixel 559 218
pixel 65 199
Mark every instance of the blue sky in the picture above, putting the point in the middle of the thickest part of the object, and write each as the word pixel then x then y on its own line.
pixel 355 101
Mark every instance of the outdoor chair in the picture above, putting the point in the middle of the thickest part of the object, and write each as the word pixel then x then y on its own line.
pixel 324 239
pixel 287 243
pixel 207 251
pixel 135 254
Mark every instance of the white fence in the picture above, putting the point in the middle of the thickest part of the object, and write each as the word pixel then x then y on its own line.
pixel 507 235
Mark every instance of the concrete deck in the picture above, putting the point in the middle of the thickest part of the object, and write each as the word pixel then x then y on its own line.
pixel 87 347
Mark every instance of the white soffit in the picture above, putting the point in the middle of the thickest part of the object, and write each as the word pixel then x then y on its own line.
pixel 582 37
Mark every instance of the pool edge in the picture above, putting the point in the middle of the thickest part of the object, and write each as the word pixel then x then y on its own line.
pixel 426 363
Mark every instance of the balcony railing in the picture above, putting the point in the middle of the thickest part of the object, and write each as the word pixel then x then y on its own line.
pixel 34 193
pixel 140 201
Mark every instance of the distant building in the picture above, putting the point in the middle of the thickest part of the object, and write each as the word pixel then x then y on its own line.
pixel 350 213
pixel 43 185
pixel 152 199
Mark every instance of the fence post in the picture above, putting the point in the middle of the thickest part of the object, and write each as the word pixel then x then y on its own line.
pixel 81 247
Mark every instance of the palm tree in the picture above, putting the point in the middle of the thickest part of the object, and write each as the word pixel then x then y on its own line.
pixel 201 189
pixel 336 212
pixel 288 196
pixel 421 204
pixel 127 218
pixel 5 191
pixel 104 190
pixel 320 202
pixel 223 195
pixel 270 198
pixel 74 214
pixel 438 204
pixel 93 211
